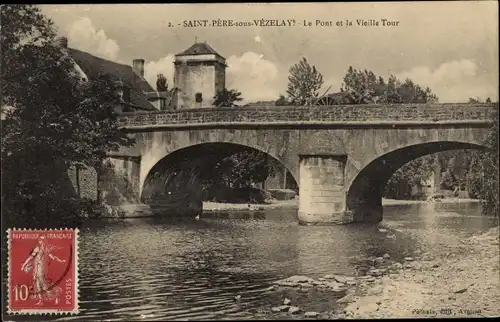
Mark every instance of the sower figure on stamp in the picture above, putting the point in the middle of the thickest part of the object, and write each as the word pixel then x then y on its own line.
pixel 41 255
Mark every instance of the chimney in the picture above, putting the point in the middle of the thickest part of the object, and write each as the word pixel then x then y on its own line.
pixel 61 42
pixel 138 66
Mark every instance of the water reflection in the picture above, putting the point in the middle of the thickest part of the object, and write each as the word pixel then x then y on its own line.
pixel 154 269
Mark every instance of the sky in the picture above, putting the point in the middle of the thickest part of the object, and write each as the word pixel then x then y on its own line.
pixel 452 47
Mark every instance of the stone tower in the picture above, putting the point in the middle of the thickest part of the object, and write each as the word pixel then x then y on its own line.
pixel 200 72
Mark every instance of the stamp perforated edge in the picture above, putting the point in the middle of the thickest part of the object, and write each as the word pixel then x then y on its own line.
pixel 76 291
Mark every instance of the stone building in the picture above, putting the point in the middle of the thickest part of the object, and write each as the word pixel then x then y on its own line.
pixel 200 72
pixel 136 95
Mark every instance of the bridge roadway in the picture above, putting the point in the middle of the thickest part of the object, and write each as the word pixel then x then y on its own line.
pixel 341 156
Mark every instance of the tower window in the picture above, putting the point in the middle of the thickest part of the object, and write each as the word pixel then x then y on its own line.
pixel 198 98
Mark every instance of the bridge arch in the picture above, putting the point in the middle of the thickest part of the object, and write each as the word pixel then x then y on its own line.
pixel 176 176
pixel 155 146
pixel 364 193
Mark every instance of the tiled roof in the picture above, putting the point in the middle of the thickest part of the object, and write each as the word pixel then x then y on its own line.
pixel 93 66
pixel 199 49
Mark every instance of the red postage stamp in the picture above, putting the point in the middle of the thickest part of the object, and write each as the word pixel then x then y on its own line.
pixel 43 271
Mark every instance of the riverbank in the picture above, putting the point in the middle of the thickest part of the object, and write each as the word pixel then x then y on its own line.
pixel 463 281
pixel 217 206
pixel 389 202
pixel 294 203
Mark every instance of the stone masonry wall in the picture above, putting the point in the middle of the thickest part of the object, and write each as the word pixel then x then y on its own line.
pixel 348 113
pixel 119 181
pixel 322 194
pixel 192 79
pixel 84 181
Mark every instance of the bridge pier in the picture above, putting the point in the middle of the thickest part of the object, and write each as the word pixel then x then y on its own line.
pixel 118 180
pixel 322 194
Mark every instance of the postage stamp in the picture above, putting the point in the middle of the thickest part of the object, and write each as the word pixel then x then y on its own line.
pixel 43 271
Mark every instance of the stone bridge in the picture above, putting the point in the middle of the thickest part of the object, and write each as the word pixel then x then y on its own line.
pixel 340 156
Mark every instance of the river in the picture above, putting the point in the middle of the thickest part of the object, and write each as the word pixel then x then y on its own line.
pixel 151 269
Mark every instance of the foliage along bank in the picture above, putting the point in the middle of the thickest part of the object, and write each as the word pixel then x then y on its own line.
pixel 52 120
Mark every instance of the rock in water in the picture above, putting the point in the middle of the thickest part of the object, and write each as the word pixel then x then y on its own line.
pixel 386 256
pixel 280 308
pixel 397 265
pixel 408 259
pixel 294 309
pixel 376 272
pixel 340 279
pixel 294 280
pixel 311 314
pixel 286 301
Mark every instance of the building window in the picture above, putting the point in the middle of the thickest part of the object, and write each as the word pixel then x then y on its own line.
pixel 162 104
pixel 198 98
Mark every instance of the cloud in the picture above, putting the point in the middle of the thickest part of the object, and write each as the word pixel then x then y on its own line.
pixel 84 36
pixel 454 81
pixel 255 77
pixel 257 39
pixel 163 66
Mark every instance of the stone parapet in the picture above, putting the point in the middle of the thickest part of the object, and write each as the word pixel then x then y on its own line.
pixel 302 114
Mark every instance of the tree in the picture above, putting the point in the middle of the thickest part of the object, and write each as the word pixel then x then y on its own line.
pixel 304 83
pixel 232 170
pixel 161 83
pixel 483 172
pixel 361 86
pixel 364 87
pixel 412 173
pixel 282 101
pixel 227 98
pixel 473 100
pixel 56 120
pixel 476 100
pixel 244 168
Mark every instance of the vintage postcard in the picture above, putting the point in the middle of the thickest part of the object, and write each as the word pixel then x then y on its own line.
pixel 250 161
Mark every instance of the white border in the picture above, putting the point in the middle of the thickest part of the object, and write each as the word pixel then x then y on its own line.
pixel 76 291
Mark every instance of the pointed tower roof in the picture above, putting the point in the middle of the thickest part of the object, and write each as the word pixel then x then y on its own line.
pixel 199 48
